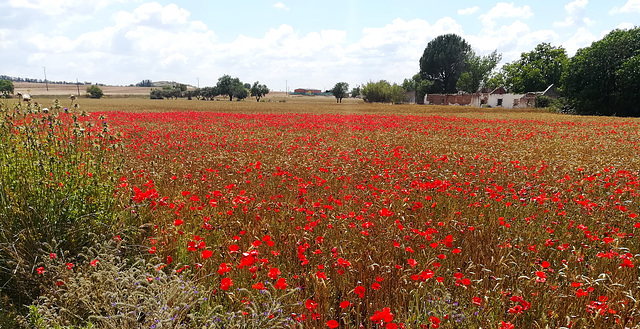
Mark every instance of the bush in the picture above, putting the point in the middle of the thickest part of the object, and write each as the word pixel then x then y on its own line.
pixel 156 94
pixel 543 101
pixel 6 87
pixel 382 92
pixel 94 92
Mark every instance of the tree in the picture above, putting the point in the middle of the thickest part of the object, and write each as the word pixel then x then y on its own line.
pixel 209 93
pixel 258 91
pixel 144 83
pixel 94 92
pixel 382 92
pixel 419 85
pixel 477 71
pixel 355 92
pixel 229 86
pixel 6 87
pixel 340 91
pixel 443 62
pixel 603 78
pixel 240 92
pixel 536 70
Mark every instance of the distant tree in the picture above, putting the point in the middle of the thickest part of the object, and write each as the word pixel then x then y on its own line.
pixel 355 92
pixel 209 92
pixel 443 61
pixel 604 78
pixel 144 83
pixel 340 91
pixel 258 91
pixel 477 71
pixel 6 87
pixel 156 94
pixel 94 92
pixel 247 86
pixel 229 86
pixel 536 70
pixel 418 85
pixel 382 92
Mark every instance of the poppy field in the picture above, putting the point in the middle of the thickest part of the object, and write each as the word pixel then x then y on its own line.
pixel 393 219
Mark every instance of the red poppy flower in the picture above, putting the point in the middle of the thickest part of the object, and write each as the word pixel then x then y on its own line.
pixel 226 283
pixel 207 253
pixel 281 284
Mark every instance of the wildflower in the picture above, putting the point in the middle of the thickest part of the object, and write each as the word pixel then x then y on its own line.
pixel 281 284
pixel 206 254
pixel 226 283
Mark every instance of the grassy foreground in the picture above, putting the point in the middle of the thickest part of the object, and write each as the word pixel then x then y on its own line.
pixel 322 215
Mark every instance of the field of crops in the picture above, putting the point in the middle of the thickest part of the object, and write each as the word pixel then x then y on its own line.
pixel 357 215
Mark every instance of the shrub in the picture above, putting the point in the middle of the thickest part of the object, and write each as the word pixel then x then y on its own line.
pixel 156 94
pixel 94 92
pixel 543 101
pixel 6 87
pixel 382 92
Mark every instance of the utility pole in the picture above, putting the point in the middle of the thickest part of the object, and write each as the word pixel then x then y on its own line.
pixel 286 88
pixel 45 77
pixel 198 82
pixel 78 85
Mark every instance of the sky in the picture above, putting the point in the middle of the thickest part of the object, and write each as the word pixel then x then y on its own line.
pixel 283 44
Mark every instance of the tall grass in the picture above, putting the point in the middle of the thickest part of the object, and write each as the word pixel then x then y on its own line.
pixel 56 183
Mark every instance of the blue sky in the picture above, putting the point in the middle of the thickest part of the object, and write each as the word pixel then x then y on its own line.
pixel 306 44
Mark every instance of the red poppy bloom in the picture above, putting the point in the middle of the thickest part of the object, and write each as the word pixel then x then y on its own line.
pixel 207 253
pixel 281 284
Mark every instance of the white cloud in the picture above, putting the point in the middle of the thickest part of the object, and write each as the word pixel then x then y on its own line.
pixel 505 10
pixel 280 5
pixel 468 11
pixel 59 7
pixel 631 7
pixel 625 26
pixel 582 38
pixel 576 11
pixel 154 14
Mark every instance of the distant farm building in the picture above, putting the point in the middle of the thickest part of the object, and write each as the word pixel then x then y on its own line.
pixel 309 92
pixel 498 97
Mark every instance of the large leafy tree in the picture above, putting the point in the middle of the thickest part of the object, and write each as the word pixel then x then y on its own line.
pixel 231 87
pixel 477 71
pixel 258 90
pixel 536 70
pixel 443 61
pixel 340 91
pixel 604 78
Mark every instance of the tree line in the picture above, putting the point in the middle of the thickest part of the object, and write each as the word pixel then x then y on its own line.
pixel 226 86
